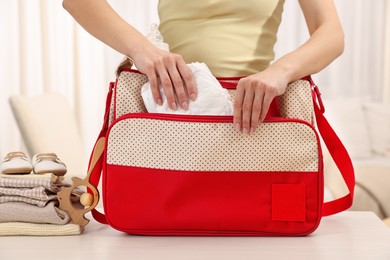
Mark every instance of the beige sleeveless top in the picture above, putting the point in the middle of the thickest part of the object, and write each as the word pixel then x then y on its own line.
pixel 233 37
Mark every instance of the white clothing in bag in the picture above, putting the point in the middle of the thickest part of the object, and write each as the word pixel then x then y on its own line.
pixel 212 98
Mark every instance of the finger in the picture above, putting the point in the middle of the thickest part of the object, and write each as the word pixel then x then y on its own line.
pixel 268 97
pixel 247 109
pixel 189 81
pixel 256 110
pixel 168 88
pixel 178 87
pixel 238 100
pixel 155 88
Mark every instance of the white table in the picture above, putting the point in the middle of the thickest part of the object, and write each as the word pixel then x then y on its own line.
pixel 347 236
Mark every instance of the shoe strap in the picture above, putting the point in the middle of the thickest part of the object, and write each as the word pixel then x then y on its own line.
pixel 12 155
pixel 47 157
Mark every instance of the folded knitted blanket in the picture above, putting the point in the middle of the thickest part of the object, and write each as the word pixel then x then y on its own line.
pixel 49 181
pixel 39 203
pixel 32 229
pixel 39 193
pixel 32 188
pixel 19 197
pixel 22 212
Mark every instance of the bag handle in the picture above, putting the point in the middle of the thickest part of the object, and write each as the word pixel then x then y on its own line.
pixel 336 149
pixel 338 153
pixel 126 63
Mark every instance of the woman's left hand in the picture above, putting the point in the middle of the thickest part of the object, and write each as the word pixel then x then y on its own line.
pixel 254 95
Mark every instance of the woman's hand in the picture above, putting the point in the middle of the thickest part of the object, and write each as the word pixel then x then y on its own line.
pixel 169 69
pixel 100 20
pixel 255 93
pixel 254 96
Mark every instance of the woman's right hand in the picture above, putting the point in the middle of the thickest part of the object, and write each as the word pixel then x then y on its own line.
pixel 169 69
pixel 100 20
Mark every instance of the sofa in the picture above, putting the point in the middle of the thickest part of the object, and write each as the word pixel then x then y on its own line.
pixel 364 128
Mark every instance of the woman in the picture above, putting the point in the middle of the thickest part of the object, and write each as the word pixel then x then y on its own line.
pixel 234 38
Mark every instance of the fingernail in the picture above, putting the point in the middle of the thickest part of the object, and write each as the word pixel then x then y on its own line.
pixel 237 127
pixel 174 107
pixel 193 97
pixel 185 106
pixel 159 101
pixel 252 130
pixel 245 131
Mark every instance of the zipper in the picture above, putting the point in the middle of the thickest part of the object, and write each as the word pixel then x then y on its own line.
pixel 203 118
pixel 226 82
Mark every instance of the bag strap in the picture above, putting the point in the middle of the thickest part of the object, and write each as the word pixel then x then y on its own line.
pixel 95 178
pixel 335 147
pixel 97 152
pixel 338 153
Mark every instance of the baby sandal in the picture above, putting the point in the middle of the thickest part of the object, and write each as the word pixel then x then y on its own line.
pixel 16 163
pixel 48 163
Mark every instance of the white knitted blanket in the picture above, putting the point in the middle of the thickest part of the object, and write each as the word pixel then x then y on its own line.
pixel 30 229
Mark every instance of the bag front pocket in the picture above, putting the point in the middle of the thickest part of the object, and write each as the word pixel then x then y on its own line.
pixel 172 174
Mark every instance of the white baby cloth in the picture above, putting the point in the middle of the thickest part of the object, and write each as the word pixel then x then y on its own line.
pixel 212 98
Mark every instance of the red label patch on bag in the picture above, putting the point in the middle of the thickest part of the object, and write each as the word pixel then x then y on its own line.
pixel 289 202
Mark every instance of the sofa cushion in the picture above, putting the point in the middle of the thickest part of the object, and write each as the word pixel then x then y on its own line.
pixel 348 120
pixel 374 180
pixel 378 119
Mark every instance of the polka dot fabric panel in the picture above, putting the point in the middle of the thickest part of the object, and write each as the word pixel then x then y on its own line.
pixel 205 146
pixel 232 93
pixel 112 108
pixel 297 101
pixel 128 93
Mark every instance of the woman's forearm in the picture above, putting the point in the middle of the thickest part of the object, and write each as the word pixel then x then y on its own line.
pixel 100 20
pixel 325 45
pixel 255 93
